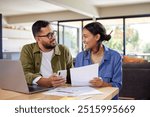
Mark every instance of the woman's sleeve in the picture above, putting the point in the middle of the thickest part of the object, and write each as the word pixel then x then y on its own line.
pixel 117 76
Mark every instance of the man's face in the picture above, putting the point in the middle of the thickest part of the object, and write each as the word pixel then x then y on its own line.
pixel 46 38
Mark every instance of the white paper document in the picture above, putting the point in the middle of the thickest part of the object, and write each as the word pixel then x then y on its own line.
pixel 81 76
pixel 73 91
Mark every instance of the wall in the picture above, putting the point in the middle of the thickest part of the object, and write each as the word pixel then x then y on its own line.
pixel 0 36
pixel 54 16
pixel 125 10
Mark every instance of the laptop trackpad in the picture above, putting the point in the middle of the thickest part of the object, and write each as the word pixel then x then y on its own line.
pixel 35 88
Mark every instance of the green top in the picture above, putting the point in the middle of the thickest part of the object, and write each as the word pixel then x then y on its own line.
pixel 31 57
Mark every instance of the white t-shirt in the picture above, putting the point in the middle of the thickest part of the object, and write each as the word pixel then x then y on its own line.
pixel 46 68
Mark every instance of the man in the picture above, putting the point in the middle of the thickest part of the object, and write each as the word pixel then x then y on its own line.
pixel 42 60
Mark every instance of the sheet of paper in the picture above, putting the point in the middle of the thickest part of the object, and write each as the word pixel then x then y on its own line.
pixel 73 91
pixel 81 76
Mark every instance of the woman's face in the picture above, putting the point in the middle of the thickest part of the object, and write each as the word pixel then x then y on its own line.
pixel 89 40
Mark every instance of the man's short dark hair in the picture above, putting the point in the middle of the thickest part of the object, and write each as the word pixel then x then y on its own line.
pixel 36 27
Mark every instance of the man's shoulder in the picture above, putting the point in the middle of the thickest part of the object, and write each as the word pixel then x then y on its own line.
pixel 29 46
pixel 62 47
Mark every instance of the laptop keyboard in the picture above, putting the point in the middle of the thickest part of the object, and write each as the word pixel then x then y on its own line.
pixel 35 88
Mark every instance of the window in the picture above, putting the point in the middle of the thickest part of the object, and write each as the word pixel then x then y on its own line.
pixel 70 35
pixel 55 27
pixel 116 41
pixel 137 37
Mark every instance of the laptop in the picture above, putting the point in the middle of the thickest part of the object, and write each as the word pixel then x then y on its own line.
pixel 12 78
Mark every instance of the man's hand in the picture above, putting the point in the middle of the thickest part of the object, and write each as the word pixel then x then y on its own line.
pixel 52 81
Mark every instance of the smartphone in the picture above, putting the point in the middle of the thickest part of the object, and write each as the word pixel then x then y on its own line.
pixel 62 73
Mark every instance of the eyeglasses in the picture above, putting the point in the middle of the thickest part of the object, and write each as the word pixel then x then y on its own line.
pixel 50 35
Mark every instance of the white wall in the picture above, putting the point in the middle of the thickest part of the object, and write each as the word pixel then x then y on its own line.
pixel 125 10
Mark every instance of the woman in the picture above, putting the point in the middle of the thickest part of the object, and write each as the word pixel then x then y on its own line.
pixel 110 61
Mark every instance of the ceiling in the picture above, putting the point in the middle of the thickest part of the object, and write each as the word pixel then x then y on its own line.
pixel 21 7
pixel 28 11
pixel 105 3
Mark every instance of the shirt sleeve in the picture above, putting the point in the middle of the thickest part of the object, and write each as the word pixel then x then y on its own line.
pixel 28 64
pixel 117 76
pixel 36 79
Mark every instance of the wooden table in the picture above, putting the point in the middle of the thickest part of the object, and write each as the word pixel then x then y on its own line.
pixel 108 93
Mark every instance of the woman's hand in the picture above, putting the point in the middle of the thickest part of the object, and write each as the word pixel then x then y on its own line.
pixel 97 82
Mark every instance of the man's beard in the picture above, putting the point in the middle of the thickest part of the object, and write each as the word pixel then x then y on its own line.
pixel 46 46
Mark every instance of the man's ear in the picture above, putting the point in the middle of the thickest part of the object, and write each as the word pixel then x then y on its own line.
pixel 98 37
pixel 37 39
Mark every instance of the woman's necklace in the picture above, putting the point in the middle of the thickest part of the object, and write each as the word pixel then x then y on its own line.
pixel 97 57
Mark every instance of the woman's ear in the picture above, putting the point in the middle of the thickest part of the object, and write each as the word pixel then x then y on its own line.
pixel 98 37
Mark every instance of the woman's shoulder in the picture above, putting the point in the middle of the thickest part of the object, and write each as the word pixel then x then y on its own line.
pixel 79 59
pixel 113 53
pixel 82 54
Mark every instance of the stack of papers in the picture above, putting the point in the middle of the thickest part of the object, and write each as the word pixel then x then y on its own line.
pixel 73 91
